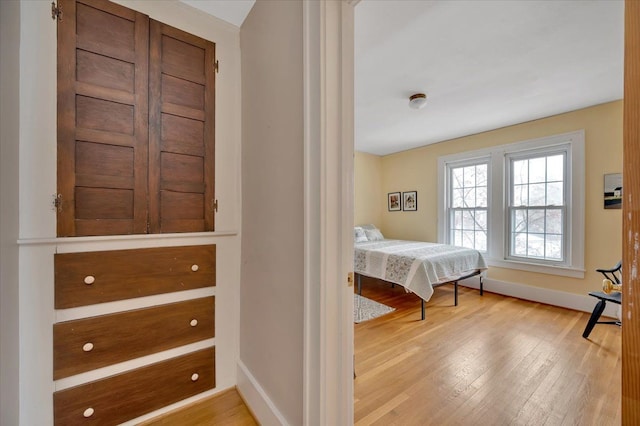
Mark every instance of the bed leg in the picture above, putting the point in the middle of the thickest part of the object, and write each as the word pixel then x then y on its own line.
pixel 359 285
pixel 422 305
pixel 455 293
pixel 481 286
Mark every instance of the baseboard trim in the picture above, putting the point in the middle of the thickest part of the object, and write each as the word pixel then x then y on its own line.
pixel 547 296
pixel 261 406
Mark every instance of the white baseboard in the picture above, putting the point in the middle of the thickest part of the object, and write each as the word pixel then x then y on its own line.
pixel 562 299
pixel 265 411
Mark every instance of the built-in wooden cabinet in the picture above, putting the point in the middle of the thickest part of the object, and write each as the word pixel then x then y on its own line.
pixel 90 343
pixel 135 155
pixel 135 124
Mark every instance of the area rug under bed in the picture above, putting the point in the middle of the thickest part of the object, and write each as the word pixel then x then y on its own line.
pixel 366 309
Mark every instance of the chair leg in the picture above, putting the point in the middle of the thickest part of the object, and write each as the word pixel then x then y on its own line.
pixel 455 293
pixel 595 316
pixel 354 366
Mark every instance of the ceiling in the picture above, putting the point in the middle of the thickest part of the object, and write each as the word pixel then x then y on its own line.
pixel 483 65
pixel 232 11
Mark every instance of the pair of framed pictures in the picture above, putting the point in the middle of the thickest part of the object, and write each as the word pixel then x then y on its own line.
pixel 407 201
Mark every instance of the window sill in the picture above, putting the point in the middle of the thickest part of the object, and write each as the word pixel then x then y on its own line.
pixel 564 271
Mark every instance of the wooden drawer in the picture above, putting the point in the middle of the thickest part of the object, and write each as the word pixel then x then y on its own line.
pixel 87 344
pixel 129 395
pixel 104 276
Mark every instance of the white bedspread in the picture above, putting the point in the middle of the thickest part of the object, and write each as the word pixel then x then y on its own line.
pixel 417 266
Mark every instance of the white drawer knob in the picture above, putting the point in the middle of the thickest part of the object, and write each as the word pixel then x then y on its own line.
pixel 89 279
pixel 88 347
pixel 88 412
pixel 194 268
pixel 194 377
pixel 193 322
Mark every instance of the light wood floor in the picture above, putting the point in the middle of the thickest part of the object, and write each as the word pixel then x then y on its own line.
pixel 224 409
pixel 492 360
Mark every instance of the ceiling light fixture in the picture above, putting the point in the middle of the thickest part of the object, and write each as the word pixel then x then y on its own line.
pixel 417 101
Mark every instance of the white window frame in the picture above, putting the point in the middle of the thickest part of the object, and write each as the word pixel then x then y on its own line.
pixel 564 149
pixel 497 246
pixel 464 163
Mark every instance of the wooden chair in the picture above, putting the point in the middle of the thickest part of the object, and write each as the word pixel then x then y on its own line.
pixel 615 276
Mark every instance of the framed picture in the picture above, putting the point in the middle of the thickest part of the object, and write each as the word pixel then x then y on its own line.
pixel 393 200
pixel 410 201
pixel 613 191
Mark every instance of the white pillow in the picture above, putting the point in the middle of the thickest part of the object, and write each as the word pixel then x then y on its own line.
pixel 359 235
pixel 373 234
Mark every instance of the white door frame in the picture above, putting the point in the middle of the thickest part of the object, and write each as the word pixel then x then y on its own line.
pixel 328 184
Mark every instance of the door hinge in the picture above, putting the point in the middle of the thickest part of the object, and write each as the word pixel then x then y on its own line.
pixel 216 66
pixel 350 279
pixel 57 202
pixel 56 12
pixel 214 205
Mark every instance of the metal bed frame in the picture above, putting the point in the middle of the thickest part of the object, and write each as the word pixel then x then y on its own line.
pixel 454 282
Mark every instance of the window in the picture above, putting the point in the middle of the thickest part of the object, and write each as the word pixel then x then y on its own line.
pixel 537 206
pixel 521 204
pixel 468 209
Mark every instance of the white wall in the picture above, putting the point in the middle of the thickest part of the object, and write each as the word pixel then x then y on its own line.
pixel 36 185
pixel 9 137
pixel 272 275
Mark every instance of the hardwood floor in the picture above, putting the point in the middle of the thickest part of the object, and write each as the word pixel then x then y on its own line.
pixel 224 409
pixel 492 360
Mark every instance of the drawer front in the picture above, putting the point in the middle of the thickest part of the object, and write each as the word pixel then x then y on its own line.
pixel 104 276
pixel 86 344
pixel 126 396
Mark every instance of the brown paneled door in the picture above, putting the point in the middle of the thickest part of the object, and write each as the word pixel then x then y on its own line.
pixel 181 128
pixel 102 119
pixel 135 124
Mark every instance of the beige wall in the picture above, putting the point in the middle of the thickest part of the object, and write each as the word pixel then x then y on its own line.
pixel 9 138
pixel 368 204
pixel 417 170
pixel 272 272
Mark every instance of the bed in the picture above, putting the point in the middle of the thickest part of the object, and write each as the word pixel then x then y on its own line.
pixel 417 266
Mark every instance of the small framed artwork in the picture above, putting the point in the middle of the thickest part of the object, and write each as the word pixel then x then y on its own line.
pixel 613 191
pixel 410 201
pixel 393 200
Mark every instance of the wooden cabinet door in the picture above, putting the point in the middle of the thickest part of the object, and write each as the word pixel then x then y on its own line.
pixel 135 124
pixel 181 140
pixel 103 51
